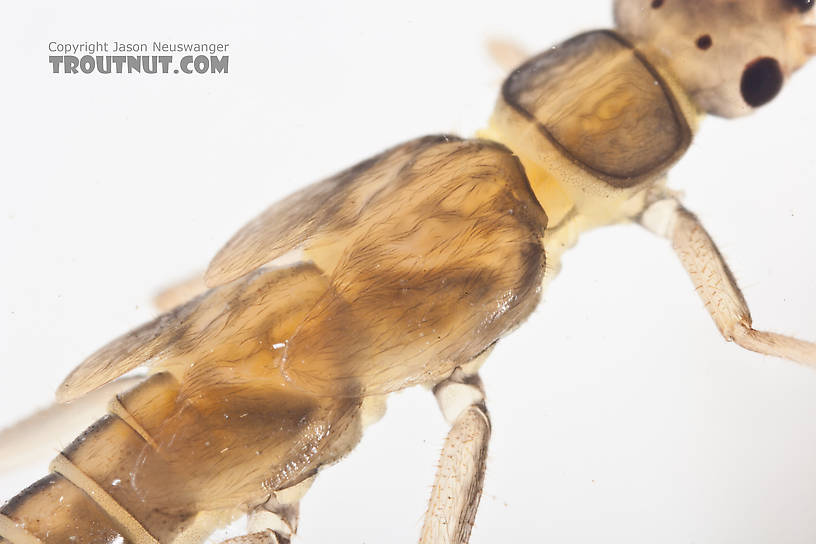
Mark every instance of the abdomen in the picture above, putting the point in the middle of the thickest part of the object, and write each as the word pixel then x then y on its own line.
pixel 168 468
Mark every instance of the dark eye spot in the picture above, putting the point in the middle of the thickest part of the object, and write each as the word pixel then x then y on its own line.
pixel 761 81
pixel 704 42
pixel 657 3
pixel 801 5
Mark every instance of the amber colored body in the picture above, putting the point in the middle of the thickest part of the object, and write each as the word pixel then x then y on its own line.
pixel 262 378
pixel 415 262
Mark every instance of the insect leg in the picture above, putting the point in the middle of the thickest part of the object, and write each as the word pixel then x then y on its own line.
pixel 506 54
pixel 275 521
pixel 716 284
pixel 458 484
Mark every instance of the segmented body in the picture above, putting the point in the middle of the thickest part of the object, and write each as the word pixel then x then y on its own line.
pixel 262 380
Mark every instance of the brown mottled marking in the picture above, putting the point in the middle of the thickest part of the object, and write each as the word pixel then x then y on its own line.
pixel 419 260
pixel 129 525
pixel 429 254
pixel 56 511
pixel 603 105
pixel 423 257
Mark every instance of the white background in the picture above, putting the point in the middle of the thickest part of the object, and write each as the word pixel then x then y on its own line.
pixel 619 413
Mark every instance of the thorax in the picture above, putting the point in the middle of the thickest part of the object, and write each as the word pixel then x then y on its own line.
pixel 596 124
